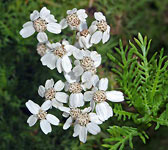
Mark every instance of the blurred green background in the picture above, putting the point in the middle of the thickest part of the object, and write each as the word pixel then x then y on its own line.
pixel 21 71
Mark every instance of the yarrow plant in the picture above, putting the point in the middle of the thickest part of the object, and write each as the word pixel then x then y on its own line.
pixel 83 98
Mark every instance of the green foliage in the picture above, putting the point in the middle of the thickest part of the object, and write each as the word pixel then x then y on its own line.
pixel 121 135
pixel 144 81
pixel 123 115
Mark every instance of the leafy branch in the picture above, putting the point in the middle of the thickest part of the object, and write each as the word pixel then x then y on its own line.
pixel 121 135
pixel 144 82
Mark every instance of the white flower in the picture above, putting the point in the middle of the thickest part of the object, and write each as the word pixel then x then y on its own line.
pixel 86 67
pixel 71 114
pixel 58 57
pixel 99 96
pixel 40 22
pixel 75 87
pixel 44 45
pixel 76 96
pixel 83 122
pixel 40 113
pixel 84 37
pixel 52 93
pixel 86 122
pixel 101 28
pixel 75 19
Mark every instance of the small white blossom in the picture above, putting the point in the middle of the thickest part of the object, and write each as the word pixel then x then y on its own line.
pixel 86 67
pixel 86 122
pixel 40 113
pixel 40 22
pixel 84 37
pixel 44 45
pixel 52 93
pixel 83 120
pixel 75 19
pixel 71 114
pixel 58 57
pixel 75 88
pixel 99 96
pixel 101 29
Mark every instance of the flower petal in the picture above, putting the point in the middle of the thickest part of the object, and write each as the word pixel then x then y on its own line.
pixel 83 134
pixel 99 16
pixel 45 126
pixel 70 77
pixel 29 23
pixel 93 128
pixel 66 64
pixel 56 104
pixel 42 37
pixel 77 54
pixel 92 29
pixel 65 109
pixel 64 114
pixel 88 96
pixel 54 28
pixel 67 123
pixel 61 97
pixel 96 37
pixel 92 105
pixel 95 80
pixel 102 111
pixel 96 57
pixel 86 76
pixel 115 96
pixel 109 110
pixel 32 120
pixel 106 36
pixel 49 84
pixel 49 60
pixel 27 31
pixel 46 105
pixel 33 107
pixel 70 48
pixel 52 119
pixel 76 130
pixel 103 84
pixel 63 23
pixel 44 12
pixel 78 70
pixel 41 91
pixel 59 86
pixel 86 110
pixel 59 66
pixel 82 14
pixel 50 18
pixel 94 118
pixel 35 15
pixel 76 100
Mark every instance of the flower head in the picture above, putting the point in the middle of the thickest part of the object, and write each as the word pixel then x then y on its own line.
pixel 39 113
pixel 44 45
pixel 75 19
pixel 58 57
pixel 84 37
pixel 99 97
pixel 86 67
pixel 52 93
pixel 84 121
pixel 40 22
pixel 75 88
pixel 101 29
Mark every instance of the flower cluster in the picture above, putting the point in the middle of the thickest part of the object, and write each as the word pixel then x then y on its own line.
pixel 83 98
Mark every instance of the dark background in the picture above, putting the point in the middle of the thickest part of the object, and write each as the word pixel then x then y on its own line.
pixel 21 71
